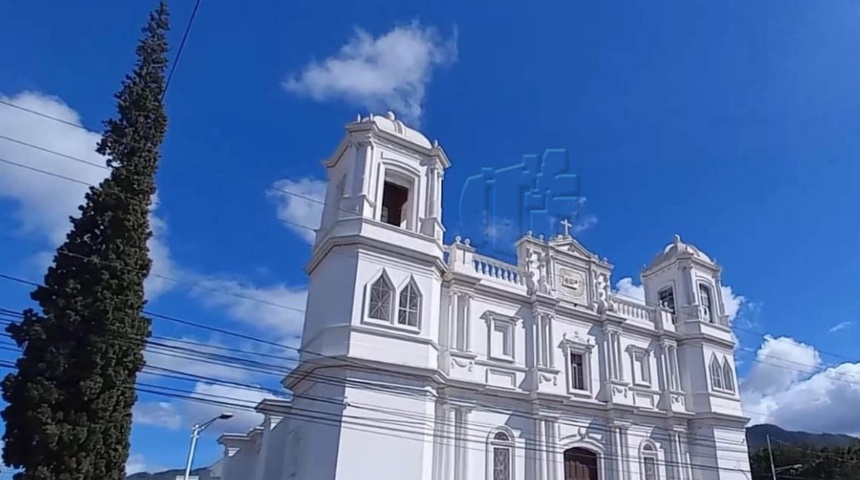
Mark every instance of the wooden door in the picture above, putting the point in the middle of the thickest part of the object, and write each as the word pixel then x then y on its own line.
pixel 580 464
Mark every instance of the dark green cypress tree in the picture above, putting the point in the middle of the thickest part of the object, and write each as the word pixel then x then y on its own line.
pixel 69 403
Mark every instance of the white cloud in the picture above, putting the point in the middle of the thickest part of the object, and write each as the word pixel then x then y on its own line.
pixel 178 355
pixel 632 291
pixel 217 399
pixel 781 362
pixel 157 414
pixel 582 224
pixel 386 72
pixel 45 203
pixel 840 326
pixel 299 205
pixel 732 303
pixel 789 386
pixel 137 463
pixel 277 310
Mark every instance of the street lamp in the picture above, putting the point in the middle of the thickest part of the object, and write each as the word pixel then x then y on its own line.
pixel 195 433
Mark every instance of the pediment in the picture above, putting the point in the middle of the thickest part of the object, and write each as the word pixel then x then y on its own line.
pixel 569 245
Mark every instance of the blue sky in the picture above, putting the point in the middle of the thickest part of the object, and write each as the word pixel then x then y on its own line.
pixel 734 123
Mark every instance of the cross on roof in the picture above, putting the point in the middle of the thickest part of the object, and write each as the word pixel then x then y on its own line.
pixel 566 226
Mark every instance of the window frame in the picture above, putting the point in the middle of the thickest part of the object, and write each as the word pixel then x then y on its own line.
pixel 392 292
pixel 671 290
pixel 643 355
pixel 578 346
pixel 413 285
pixel 648 451
pixel 707 311
pixel 402 177
pixel 507 325
pixel 715 372
pixel 493 444
pixel 727 375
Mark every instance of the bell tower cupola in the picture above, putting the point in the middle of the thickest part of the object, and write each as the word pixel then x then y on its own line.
pixel 686 281
pixel 385 181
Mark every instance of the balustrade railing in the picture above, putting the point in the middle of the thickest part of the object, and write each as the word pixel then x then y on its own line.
pixel 629 309
pixel 493 268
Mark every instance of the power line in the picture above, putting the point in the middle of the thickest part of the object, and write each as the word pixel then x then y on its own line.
pixel 276 189
pixel 181 48
pixel 40 114
pixel 337 381
pixel 373 424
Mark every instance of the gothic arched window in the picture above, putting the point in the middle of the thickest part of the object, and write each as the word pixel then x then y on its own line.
pixel 648 455
pixel 728 376
pixel 381 297
pixel 409 305
pixel 501 453
pixel 716 371
pixel 706 301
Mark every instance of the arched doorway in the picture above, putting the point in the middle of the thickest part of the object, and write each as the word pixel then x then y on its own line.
pixel 580 464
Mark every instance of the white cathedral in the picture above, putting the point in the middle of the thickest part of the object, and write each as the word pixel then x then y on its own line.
pixel 426 361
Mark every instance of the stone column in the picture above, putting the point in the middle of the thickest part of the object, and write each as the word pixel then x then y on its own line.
pixel 550 451
pixel 461 442
pixel 556 463
pixel 452 320
pixel 467 323
pixel 540 450
pixel 686 472
pixel 438 197
pixel 612 464
pixel 624 453
pixel 608 354
pixel 550 337
pixel 449 441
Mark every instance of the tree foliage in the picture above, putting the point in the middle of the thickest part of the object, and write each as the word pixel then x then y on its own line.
pixel 69 403
pixel 831 463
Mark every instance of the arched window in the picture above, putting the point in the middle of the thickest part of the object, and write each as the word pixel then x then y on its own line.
pixel 501 456
pixel 728 376
pixel 409 305
pixel 706 302
pixel 716 374
pixel 648 454
pixel 381 297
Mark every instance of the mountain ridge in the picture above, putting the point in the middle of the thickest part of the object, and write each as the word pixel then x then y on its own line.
pixel 757 438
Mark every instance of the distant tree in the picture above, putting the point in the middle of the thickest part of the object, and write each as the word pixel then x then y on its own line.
pixel 830 463
pixel 69 403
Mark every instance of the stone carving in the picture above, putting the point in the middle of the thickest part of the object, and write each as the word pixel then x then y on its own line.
pixel 467 364
pixel 536 272
pixel 602 293
pixel 548 378
pixel 620 390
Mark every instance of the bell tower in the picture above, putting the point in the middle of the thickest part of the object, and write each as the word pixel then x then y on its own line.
pixel 376 266
pixel 373 304
pixel 687 282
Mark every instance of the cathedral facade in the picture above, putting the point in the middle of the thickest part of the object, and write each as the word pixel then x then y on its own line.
pixel 426 361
